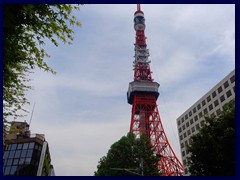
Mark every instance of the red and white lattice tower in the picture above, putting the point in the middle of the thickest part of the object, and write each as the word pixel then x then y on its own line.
pixel 142 95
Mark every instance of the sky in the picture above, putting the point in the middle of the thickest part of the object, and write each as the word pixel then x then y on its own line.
pixel 83 109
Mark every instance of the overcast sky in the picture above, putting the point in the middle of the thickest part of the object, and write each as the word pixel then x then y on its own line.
pixel 83 109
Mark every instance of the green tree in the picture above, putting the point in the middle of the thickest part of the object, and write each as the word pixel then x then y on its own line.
pixel 25 28
pixel 130 156
pixel 213 148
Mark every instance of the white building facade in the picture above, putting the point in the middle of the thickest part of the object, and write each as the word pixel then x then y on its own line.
pixel 210 104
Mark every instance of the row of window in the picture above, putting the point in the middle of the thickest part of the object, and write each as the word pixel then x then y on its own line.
pixel 21 150
pixel 18 153
pixel 17 161
pixel 23 170
pixel 20 161
pixel 20 157
pixel 10 170
pixel 19 146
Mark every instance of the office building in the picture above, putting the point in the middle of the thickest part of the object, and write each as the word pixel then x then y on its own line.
pixel 210 104
pixel 26 154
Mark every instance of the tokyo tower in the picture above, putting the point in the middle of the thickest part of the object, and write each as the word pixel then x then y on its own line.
pixel 142 95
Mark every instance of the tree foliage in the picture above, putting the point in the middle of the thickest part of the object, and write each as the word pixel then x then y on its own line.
pixel 129 157
pixel 25 29
pixel 213 148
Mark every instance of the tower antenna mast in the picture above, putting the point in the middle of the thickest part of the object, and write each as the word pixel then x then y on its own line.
pixel 32 114
pixel 138 7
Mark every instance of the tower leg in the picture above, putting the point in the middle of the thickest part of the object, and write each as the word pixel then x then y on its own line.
pixel 146 119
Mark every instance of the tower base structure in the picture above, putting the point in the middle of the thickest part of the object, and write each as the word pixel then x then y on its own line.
pixel 146 119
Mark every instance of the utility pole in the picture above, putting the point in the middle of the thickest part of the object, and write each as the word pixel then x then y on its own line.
pixel 32 114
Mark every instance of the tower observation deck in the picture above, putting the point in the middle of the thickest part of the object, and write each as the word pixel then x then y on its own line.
pixel 142 95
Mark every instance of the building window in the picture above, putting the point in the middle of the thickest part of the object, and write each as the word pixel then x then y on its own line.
pixel 182 145
pixel 190 113
pixel 7 170
pixel 25 145
pixel 13 147
pixel 187 124
pixel 222 98
pixel 180 130
pixel 210 107
pixel 186 116
pixel 197 127
pixel 232 79
pixel 29 153
pixel 182 120
pixel 194 110
pixel 208 98
pixel 19 146
pixel 17 154
pixel 8 147
pixel 9 162
pixel 181 138
pixel 183 127
pixel 184 135
pixel 228 93
pixel 203 102
pixel 191 121
pixel 11 155
pixel 214 94
pixel 195 118
pixel 226 84
pixel 216 103
pixel 31 145
pixel 200 115
pixel 15 161
pixel 188 132
pixel 205 111
pixel 193 129
pixel 6 153
pixel 220 89
pixel 199 106
pixel 23 154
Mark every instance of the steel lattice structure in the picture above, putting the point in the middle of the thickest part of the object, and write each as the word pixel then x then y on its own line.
pixel 142 95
